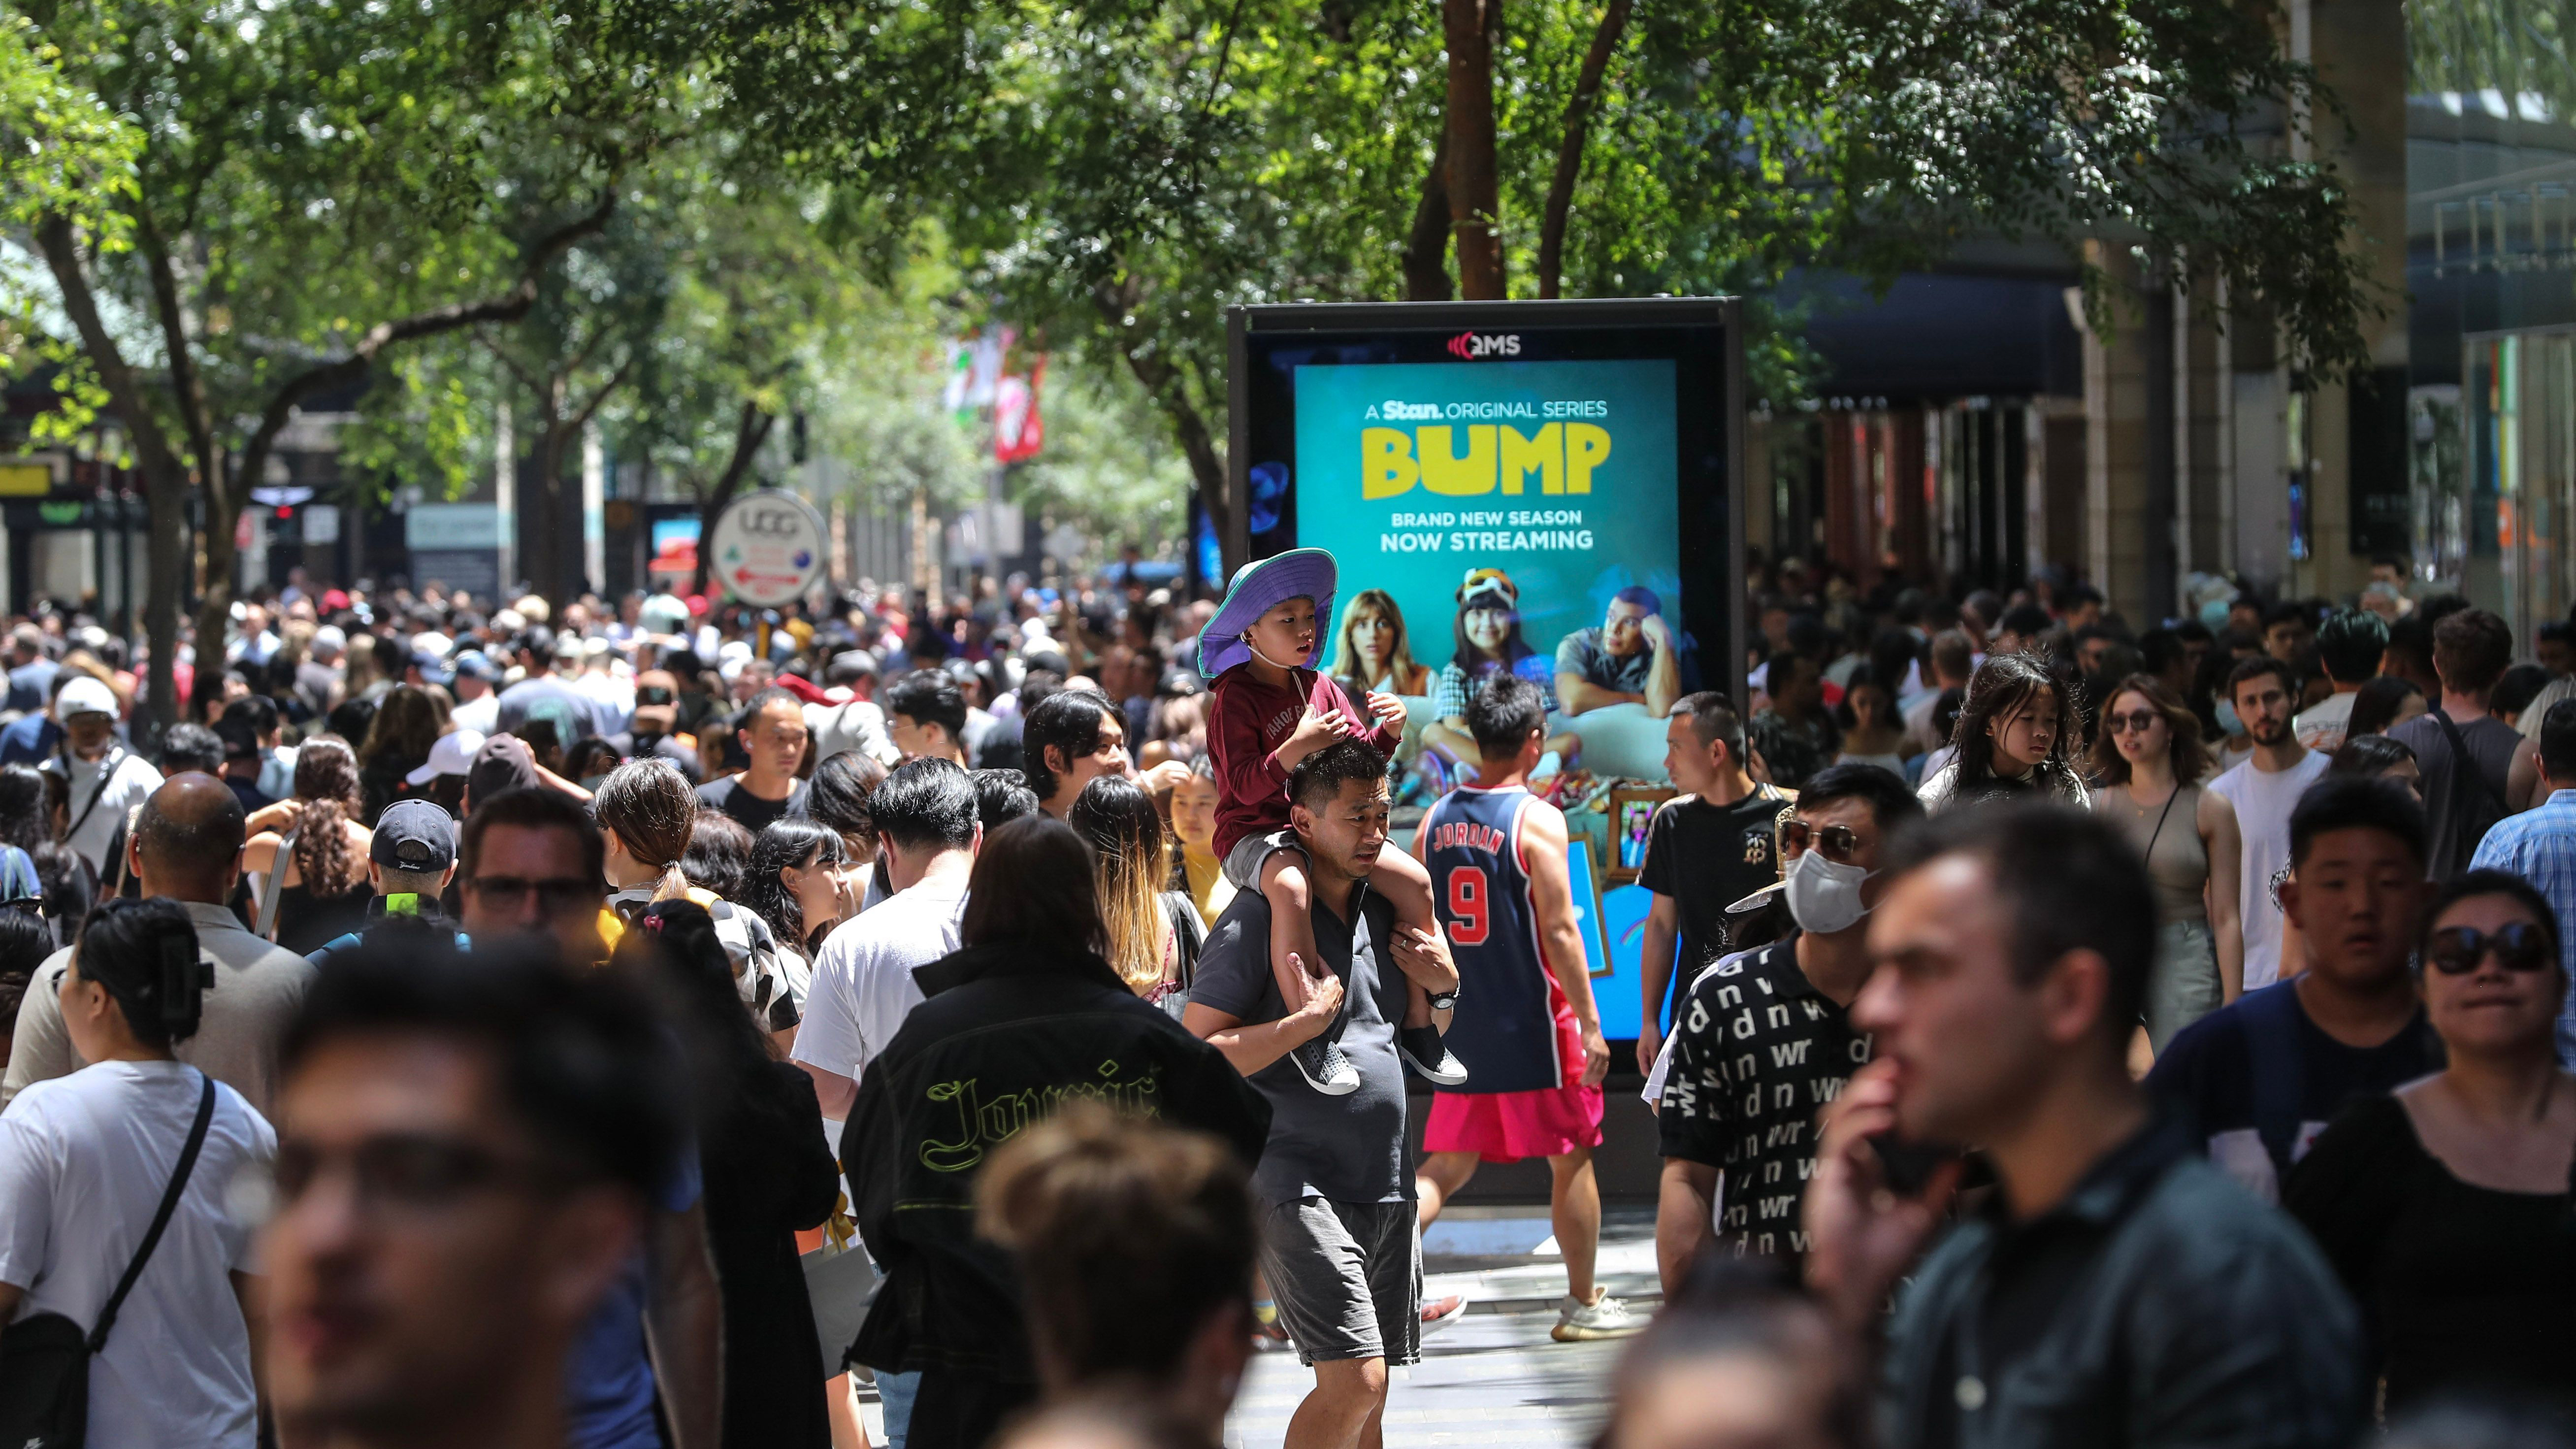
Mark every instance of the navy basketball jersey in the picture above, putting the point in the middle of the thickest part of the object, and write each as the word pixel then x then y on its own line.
pixel 1504 1027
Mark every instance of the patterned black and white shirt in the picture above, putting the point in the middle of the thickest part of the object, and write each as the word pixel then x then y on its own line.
pixel 1757 1053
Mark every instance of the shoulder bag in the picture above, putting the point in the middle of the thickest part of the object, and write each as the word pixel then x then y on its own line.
pixel 44 1358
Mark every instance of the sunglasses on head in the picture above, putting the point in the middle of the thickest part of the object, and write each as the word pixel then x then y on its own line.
pixel 1837 841
pixel 2456 950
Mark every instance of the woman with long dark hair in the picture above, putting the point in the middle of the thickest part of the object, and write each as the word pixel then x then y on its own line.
pixel 767 1170
pixel 405 725
pixel 2150 768
pixel 316 864
pixel 2016 736
pixel 1152 930
pixel 2444 1205
pixel 797 882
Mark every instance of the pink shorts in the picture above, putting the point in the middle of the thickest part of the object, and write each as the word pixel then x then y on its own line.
pixel 1508 1126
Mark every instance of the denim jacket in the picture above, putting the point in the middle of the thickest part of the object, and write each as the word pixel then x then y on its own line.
pixel 2181 1312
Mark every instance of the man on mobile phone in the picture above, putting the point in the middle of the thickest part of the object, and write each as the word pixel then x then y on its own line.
pixel 2116 1288
pixel 1763 1039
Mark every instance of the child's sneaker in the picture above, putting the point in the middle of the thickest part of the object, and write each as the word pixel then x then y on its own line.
pixel 1326 1069
pixel 1423 1049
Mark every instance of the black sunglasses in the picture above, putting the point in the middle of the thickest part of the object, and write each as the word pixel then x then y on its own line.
pixel 2456 950
pixel 1836 841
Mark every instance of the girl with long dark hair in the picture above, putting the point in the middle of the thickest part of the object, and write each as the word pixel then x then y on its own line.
pixel 2016 735
pixel 796 883
pixel 320 880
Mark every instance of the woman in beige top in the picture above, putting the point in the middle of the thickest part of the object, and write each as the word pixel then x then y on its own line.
pixel 2149 766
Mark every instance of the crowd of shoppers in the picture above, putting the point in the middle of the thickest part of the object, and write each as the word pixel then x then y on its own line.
pixel 533 1017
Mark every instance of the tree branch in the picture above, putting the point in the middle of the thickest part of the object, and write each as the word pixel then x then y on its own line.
pixel 1569 153
pixel 1162 380
pixel 582 415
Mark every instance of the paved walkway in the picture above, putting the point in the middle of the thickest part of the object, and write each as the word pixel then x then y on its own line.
pixel 1493 1377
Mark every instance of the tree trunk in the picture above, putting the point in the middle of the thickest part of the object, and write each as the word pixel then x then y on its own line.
pixel 748 434
pixel 544 565
pixel 1426 248
pixel 1569 153
pixel 224 499
pixel 165 473
pixel 1164 383
pixel 1475 181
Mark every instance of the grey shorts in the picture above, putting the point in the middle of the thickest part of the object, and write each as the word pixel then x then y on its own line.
pixel 1243 863
pixel 1347 1277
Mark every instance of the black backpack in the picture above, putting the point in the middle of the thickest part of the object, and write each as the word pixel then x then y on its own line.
pixel 44 1358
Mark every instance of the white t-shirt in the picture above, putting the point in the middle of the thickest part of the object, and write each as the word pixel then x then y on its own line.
pixel 863 987
pixel 2321 726
pixel 2263 800
pixel 84 1160
pixel 129 782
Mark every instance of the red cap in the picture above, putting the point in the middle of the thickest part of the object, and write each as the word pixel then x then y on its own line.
pixel 334 599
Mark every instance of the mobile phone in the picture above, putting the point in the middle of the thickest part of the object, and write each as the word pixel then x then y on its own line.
pixel 1908 1166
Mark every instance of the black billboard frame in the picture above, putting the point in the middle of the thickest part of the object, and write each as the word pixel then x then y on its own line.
pixel 1705 601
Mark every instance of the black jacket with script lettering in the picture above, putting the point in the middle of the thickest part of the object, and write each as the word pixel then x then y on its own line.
pixel 1008 1032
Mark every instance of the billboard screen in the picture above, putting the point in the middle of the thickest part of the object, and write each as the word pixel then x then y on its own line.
pixel 1548 487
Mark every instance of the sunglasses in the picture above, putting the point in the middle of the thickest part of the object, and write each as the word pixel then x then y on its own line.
pixel 559 896
pixel 2136 721
pixel 2457 950
pixel 1838 842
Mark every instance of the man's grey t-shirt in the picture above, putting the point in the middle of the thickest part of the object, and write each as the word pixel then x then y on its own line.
pixel 1582 653
pixel 258 989
pixel 1349 1148
pixel 2458 807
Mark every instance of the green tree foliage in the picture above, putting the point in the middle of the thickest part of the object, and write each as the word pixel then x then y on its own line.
pixel 1120 171
pixel 312 189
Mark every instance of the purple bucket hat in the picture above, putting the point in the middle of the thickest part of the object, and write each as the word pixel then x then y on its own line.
pixel 1259 587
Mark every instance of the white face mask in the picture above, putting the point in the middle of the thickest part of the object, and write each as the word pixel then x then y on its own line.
pixel 2228 723
pixel 1824 897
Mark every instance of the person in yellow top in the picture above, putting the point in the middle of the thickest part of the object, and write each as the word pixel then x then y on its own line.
pixel 1194 821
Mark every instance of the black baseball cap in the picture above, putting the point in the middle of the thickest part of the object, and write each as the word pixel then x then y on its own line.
pixel 414 835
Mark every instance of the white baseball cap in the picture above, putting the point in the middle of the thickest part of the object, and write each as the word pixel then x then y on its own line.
pixel 450 754
pixel 84 696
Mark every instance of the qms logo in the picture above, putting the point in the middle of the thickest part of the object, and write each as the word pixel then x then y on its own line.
pixel 1474 345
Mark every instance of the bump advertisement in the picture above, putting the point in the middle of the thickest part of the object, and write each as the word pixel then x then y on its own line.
pixel 1559 474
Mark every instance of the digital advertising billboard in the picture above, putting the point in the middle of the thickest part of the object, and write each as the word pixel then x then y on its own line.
pixel 1517 479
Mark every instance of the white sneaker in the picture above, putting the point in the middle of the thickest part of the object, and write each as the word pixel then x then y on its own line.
pixel 1603 1317
pixel 1325 1069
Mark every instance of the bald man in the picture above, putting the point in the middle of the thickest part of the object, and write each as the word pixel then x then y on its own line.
pixel 186 844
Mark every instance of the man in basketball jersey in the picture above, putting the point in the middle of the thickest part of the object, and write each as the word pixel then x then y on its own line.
pixel 1524 1023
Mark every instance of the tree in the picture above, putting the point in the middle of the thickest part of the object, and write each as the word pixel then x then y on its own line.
pixel 1123 170
pixel 312 189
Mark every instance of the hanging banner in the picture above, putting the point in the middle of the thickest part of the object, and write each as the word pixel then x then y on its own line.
pixel 1018 429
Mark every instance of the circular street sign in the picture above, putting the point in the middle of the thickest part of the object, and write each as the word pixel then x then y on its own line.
pixel 768 548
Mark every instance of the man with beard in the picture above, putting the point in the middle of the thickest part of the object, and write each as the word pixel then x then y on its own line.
pixel 2264 788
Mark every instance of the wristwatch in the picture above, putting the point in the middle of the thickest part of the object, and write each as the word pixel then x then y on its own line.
pixel 1445 1001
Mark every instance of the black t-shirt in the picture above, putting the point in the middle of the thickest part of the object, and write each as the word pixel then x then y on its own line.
pixel 2206 1076
pixel 752 812
pixel 2461 1287
pixel 1707 857
pixel 632 746
pixel 1757 1052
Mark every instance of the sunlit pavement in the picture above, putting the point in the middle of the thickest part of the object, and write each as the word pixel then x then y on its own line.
pixel 1494 1376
